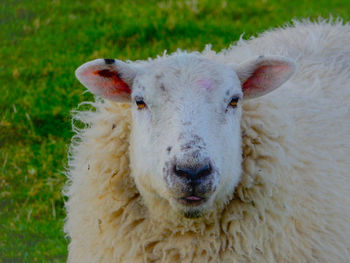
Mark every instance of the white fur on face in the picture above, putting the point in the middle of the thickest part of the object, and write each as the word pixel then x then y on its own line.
pixel 186 143
pixel 187 120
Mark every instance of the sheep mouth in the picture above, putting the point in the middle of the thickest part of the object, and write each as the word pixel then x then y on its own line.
pixel 192 200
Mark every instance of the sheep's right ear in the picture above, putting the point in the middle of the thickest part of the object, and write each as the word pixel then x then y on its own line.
pixel 109 78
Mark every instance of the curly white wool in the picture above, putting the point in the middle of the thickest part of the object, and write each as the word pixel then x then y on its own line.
pixel 292 202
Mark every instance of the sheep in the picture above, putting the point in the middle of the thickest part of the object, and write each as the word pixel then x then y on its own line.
pixel 236 156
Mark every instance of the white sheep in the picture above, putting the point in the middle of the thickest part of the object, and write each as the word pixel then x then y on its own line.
pixel 215 175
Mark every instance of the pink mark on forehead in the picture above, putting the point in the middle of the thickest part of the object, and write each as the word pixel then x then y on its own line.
pixel 205 84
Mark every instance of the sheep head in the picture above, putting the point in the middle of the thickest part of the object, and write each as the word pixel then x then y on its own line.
pixel 185 143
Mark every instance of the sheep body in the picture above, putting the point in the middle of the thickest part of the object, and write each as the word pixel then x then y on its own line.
pixel 292 202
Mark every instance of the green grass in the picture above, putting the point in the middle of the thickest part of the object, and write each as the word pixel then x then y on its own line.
pixel 43 42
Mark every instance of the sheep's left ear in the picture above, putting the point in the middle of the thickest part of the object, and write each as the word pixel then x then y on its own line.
pixel 264 74
pixel 109 78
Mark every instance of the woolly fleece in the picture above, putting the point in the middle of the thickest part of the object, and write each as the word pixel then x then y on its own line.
pixel 292 204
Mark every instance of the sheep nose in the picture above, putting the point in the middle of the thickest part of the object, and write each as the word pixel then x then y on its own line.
pixel 193 172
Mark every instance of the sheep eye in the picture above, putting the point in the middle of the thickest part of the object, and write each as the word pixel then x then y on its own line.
pixel 140 104
pixel 234 101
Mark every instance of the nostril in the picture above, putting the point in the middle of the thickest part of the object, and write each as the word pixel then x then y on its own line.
pixel 192 173
pixel 205 170
pixel 181 171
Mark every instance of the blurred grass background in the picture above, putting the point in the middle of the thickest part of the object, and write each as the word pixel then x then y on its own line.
pixel 43 42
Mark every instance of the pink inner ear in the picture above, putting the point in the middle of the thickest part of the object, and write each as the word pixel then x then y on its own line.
pixel 114 84
pixel 264 79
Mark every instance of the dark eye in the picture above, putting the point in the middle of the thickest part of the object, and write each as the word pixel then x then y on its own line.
pixel 140 103
pixel 234 102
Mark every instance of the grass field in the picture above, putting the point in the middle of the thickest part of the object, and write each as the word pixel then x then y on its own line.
pixel 43 42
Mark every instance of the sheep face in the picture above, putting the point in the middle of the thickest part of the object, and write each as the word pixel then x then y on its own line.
pixel 185 144
pixel 185 140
